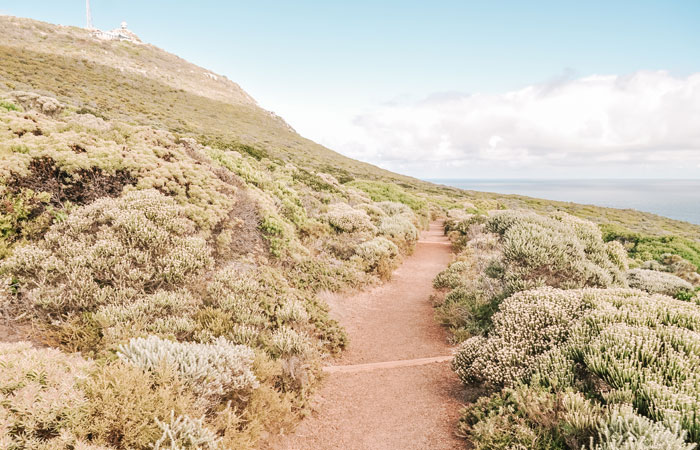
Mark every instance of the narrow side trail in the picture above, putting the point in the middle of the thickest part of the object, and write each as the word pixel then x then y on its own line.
pixel 393 387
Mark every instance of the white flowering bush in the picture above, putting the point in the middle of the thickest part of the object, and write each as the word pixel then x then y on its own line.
pixel 214 371
pixel 451 277
pixel 292 311
pixel 108 252
pixel 166 313
pixel 624 429
pixel 186 433
pixel 645 348
pixel 399 228
pixel 656 282
pixel 375 212
pixel 286 341
pixel 377 255
pixel 559 251
pixel 347 219
pixel 617 254
pixel 243 334
pixel 528 325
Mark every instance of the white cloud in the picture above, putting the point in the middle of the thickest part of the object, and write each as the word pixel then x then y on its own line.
pixel 644 124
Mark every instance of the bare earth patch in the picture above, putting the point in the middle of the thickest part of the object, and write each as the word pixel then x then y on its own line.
pixel 400 403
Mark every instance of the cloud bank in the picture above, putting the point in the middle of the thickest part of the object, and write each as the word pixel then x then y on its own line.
pixel 643 125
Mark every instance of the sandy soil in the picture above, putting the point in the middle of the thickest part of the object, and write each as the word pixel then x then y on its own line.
pixel 411 399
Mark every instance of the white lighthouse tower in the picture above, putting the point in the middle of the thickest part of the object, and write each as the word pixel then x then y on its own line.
pixel 118 34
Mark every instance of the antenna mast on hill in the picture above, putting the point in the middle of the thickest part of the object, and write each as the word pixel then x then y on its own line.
pixel 88 15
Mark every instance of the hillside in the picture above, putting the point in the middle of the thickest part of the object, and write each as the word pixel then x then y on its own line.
pixel 164 241
pixel 144 85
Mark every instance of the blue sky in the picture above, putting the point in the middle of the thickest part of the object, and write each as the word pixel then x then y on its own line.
pixel 346 73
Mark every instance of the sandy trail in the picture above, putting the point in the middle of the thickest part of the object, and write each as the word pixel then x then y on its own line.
pixel 393 387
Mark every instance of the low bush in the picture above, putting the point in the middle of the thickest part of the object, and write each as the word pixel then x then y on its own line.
pixel 41 405
pixel 185 433
pixel 644 248
pixel 377 255
pixel 124 405
pixel 344 218
pixel 165 313
pixel 108 252
pixel 656 282
pixel 625 429
pixel 451 277
pixel 639 347
pixel 286 341
pixel 381 192
pixel 530 418
pixel 215 372
pixel 9 106
pixel 527 325
pixel 399 229
pixel 676 265
pixel 559 251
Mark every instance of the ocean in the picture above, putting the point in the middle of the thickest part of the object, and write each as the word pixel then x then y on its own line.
pixel 677 199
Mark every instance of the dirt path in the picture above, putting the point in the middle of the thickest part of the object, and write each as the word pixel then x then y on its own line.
pixel 393 388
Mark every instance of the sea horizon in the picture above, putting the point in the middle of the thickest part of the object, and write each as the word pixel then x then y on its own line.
pixel 674 198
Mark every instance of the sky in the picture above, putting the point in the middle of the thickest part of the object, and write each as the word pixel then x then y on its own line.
pixel 450 89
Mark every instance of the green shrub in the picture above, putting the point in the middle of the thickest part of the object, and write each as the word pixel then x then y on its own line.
pixel 381 192
pixel 108 252
pixel 645 248
pixel 9 106
pixel 452 276
pixel 530 417
pixel 22 215
pixel 462 224
pixel 319 182
pixel 125 405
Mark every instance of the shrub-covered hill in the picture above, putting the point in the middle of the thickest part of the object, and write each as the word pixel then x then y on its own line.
pixel 185 275
pixel 141 84
pixel 144 85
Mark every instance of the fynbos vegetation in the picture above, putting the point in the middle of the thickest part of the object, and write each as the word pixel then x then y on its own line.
pixel 185 275
pixel 163 241
pixel 579 351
